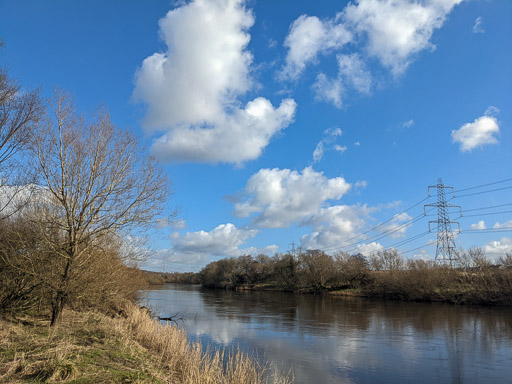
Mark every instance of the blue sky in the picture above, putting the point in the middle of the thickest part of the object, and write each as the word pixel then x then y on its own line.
pixel 292 121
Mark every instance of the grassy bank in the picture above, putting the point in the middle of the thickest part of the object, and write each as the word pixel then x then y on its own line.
pixel 90 347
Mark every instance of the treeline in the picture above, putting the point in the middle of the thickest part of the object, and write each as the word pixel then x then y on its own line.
pixel 75 191
pixel 160 278
pixel 385 274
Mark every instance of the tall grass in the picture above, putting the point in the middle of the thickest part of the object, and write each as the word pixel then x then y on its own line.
pixel 91 347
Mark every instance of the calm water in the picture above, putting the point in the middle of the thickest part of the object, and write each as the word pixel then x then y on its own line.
pixel 327 339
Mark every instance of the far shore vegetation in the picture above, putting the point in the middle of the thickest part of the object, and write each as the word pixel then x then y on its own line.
pixel 472 279
pixel 76 195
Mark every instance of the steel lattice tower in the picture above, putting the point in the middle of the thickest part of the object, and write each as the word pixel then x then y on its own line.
pixel 445 251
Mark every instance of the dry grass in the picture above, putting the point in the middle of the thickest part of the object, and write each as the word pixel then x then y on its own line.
pixel 94 348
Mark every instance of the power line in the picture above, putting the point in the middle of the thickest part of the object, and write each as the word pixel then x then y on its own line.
pixel 483 185
pixel 489 207
pixel 416 237
pixel 479 193
pixel 346 243
pixel 473 231
pixel 487 214
pixel 415 249
pixel 340 245
pixel 488 230
pixel 385 233
pixel 478 166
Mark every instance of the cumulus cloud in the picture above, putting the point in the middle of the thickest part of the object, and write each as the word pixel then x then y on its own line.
pixel 191 90
pixel 179 224
pixel 309 36
pixel 238 138
pixel 223 240
pixel 333 226
pixel 328 89
pixel 353 69
pixel 479 225
pixel 330 136
pixel 397 227
pixel 506 225
pixel 477 26
pixel 408 124
pixel 352 75
pixel 422 255
pixel 318 153
pixel 280 197
pixel 499 246
pixel 14 198
pixel 193 250
pixel 480 132
pixel 369 248
pixel 393 31
pixel 492 111
pixel 340 148
pixel 361 184
pixel 396 30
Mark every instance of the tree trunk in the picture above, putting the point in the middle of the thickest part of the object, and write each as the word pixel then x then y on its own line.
pixel 57 307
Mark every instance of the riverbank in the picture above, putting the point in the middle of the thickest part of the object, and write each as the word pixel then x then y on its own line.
pixel 489 287
pixel 474 279
pixel 90 347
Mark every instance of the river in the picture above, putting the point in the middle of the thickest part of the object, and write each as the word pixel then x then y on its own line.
pixel 326 339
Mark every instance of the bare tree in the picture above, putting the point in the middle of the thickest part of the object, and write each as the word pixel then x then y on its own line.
pixel 100 182
pixel 19 111
pixel 387 259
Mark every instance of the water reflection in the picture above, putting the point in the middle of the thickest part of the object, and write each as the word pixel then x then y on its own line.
pixel 327 339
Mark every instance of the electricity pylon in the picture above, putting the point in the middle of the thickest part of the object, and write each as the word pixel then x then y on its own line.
pixel 445 251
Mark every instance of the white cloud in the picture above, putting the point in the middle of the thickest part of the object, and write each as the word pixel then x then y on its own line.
pixel 393 31
pixel 479 225
pixel 191 90
pixel 397 29
pixel 223 240
pixel 499 247
pixel 352 74
pixel 408 124
pixel 398 226
pixel 353 70
pixel 422 255
pixel 330 136
pixel 361 184
pixel 14 198
pixel 492 111
pixel 308 37
pixel 357 144
pixel 318 153
pixel 240 137
pixel 269 250
pixel 480 132
pixel 507 225
pixel 339 148
pixel 333 132
pixel 282 196
pixel 193 250
pixel 333 226
pixel 370 248
pixel 179 224
pixel 328 90
pixel 477 27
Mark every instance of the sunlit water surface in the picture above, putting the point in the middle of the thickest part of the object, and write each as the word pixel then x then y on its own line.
pixel 325 339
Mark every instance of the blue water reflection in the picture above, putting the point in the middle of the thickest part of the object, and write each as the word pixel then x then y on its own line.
pixel 326 339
